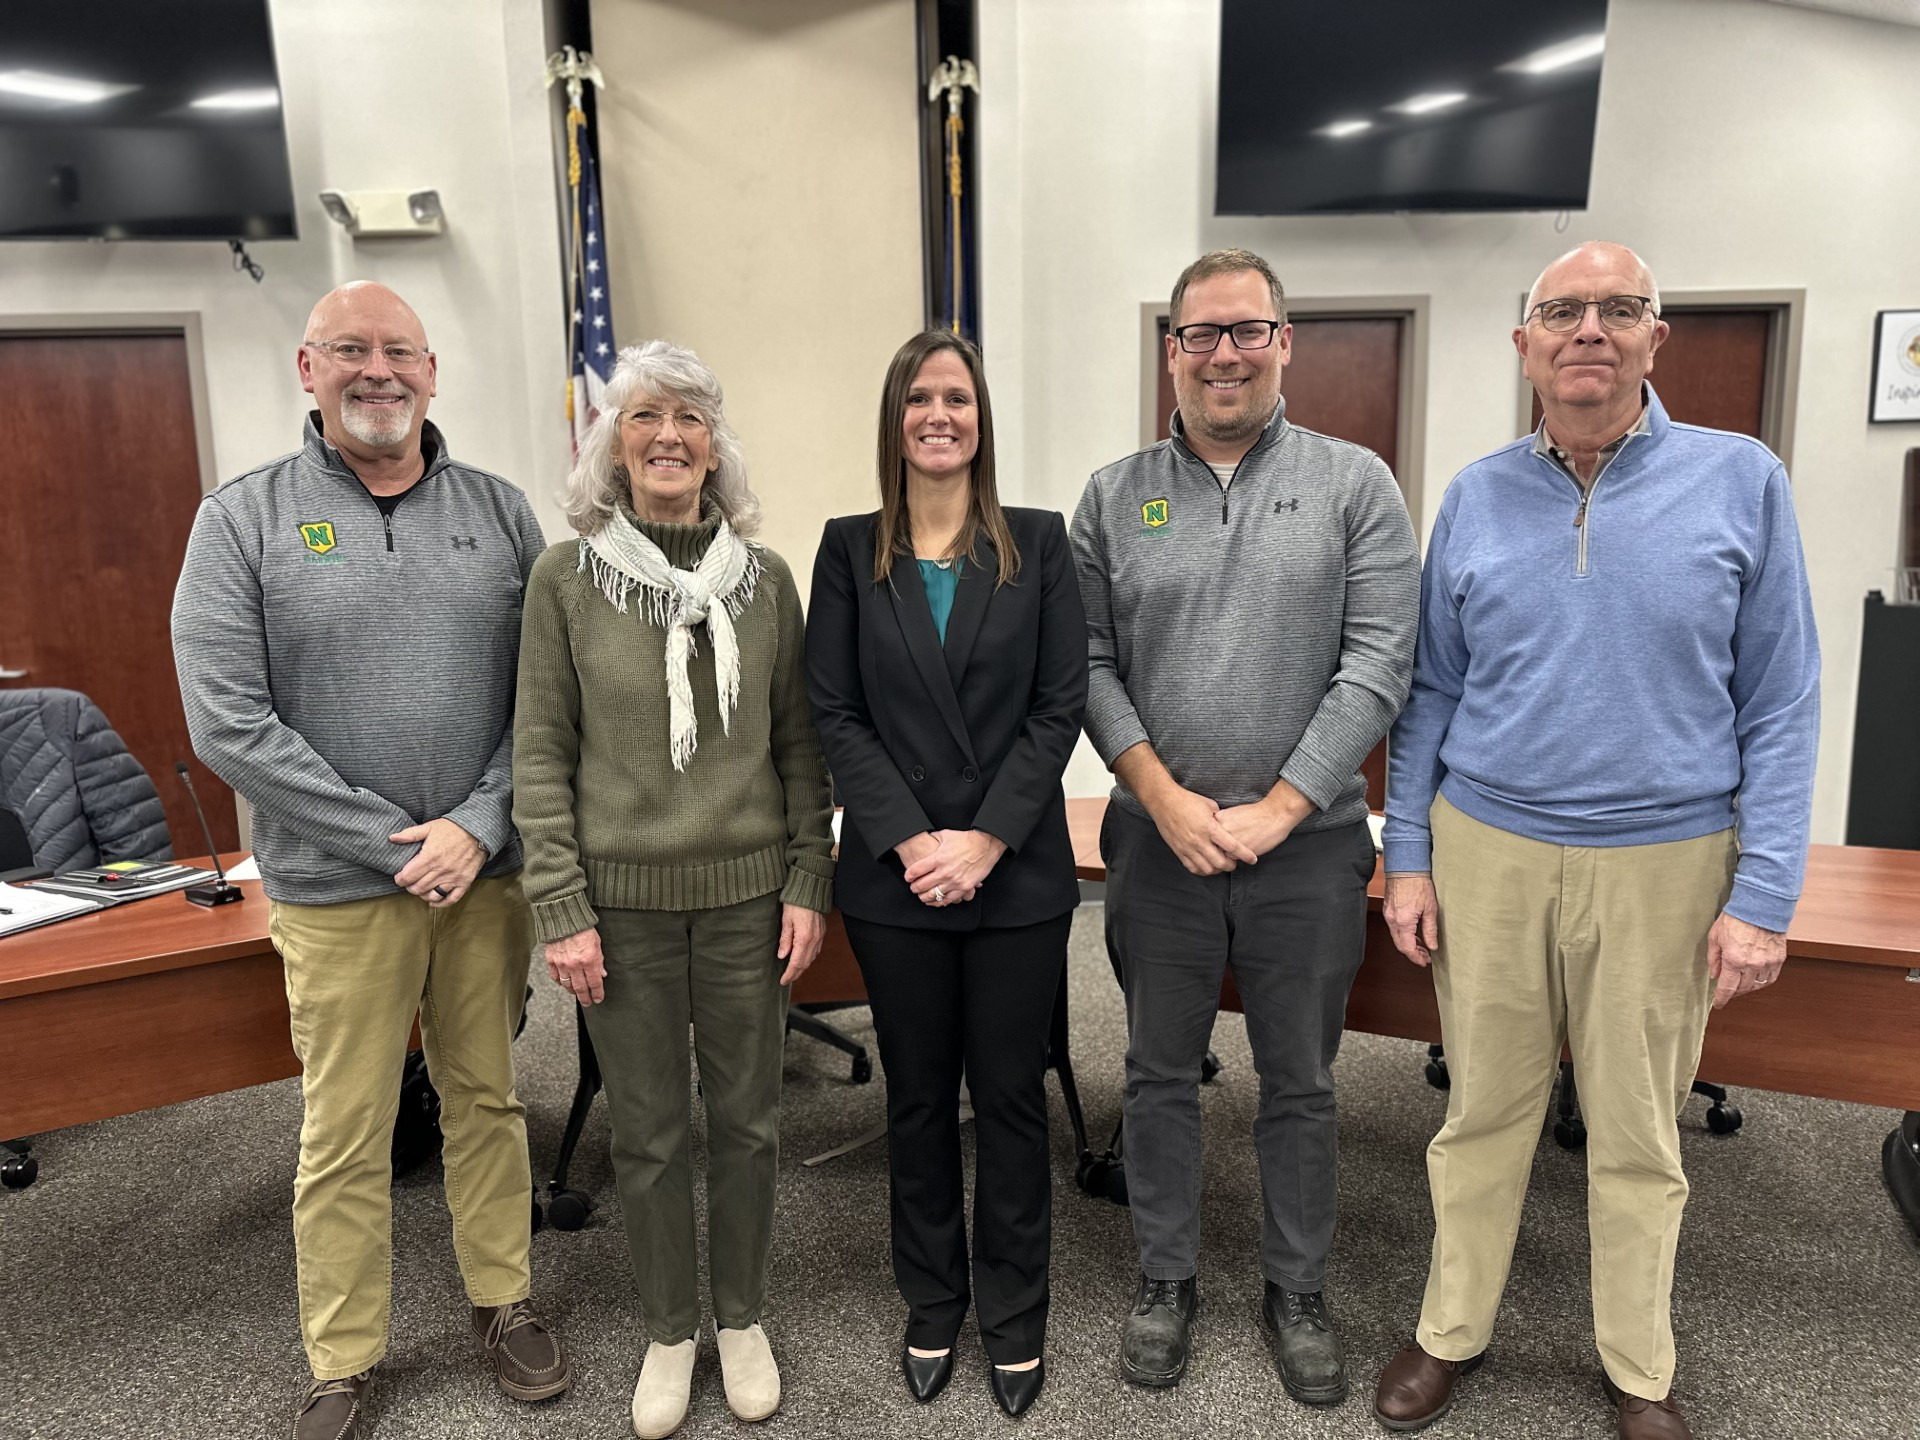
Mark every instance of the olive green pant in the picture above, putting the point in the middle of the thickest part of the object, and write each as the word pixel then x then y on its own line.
pixel 357 973
pixel 716 969
pixel 1604 949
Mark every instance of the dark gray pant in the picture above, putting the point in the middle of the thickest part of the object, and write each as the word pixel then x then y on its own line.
pixel 1293 929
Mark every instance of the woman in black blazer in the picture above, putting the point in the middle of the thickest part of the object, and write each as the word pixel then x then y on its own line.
pixel 947 665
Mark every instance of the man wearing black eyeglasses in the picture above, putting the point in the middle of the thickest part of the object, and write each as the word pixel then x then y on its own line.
pixel 1598 804
pixel 1251 590
pixel 346 632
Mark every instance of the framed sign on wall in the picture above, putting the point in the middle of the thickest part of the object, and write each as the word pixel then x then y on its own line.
pixel 1896 367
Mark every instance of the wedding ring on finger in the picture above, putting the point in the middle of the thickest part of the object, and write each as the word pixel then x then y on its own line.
pixel 939 896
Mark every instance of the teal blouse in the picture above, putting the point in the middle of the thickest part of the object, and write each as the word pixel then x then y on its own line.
pixel 941 582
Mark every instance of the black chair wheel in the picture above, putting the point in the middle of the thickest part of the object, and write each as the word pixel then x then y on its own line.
pixel 1570 1134
pixel 1209 1067
pixel 1438 1076
pixel 539 1215
pixel 862 1070
pixel 19 1172
pixel 569 1209
pixel 1103 1177
pixel 1724 1119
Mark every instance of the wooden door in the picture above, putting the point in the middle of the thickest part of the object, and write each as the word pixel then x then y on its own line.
pixel 99 480
pixel 1712 369
pixel 1344 381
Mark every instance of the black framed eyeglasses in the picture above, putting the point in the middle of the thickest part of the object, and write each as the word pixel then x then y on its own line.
pixel 1247 335
pixel 1566 314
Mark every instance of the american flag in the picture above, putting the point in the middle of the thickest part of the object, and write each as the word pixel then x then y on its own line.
pixel 590 345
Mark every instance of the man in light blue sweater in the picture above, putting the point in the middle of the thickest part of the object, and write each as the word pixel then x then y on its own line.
pixel 1597 812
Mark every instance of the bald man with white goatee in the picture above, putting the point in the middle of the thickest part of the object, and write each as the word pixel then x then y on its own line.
pixel 346 633
pixel 1598 800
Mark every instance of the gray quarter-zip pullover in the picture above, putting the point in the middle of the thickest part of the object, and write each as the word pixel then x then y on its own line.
pixel 1258 632
pixel 352 672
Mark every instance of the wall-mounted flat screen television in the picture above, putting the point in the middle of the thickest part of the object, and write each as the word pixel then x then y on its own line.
pixel 1352 106
pixel 142 120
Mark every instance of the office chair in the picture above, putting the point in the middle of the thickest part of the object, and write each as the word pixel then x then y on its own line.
pixel 1104 1176
pixel 568 1208
pixel 1900 1166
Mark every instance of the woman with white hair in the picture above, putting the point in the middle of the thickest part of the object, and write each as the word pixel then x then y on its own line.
pixel 675 810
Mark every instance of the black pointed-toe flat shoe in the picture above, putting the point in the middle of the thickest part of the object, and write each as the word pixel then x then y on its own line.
pixel 927 1375
pixel 1016 1390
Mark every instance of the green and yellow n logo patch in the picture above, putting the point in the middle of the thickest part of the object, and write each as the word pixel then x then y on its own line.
pixel 318 536
pixel 1153 514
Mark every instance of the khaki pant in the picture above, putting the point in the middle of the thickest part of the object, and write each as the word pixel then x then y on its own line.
pixel 1604 948
pixel 356 975
pixel 716 969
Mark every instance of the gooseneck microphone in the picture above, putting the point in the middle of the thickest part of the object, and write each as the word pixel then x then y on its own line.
pixel 222 891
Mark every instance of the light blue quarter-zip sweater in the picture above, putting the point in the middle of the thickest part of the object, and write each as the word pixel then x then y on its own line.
pixel 1636 667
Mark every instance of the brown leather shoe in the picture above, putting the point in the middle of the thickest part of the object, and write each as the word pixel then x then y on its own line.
pixel 331 1410
pixel 527 1358
pixel 1645 1419
pixel 1416 1389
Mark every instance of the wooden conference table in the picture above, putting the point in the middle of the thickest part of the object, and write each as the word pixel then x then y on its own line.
pixel 158 1001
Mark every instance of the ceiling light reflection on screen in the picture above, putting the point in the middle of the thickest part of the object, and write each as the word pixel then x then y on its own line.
pixel 1341 129
pixel 1427 104
pixel 1559 57
pixel 65 89
pixel 265 98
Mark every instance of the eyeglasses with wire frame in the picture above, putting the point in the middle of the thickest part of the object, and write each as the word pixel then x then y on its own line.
pixel 357 354
pixel 1566 314
pixel 645 417
pixel 1247 335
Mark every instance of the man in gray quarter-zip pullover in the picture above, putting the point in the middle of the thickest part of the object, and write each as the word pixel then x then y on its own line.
pixel 346 633
pixel 1251 592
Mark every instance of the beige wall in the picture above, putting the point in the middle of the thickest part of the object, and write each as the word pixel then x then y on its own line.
pixel 1740 145
pixel 761 180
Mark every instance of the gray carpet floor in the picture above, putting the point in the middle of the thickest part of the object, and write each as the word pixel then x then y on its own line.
pixel 147 1280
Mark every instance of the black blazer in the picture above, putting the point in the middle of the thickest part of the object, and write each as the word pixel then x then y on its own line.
pixel 974 736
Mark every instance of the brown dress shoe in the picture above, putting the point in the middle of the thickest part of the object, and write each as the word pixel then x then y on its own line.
pixel 1416 1389
pixel 1645 1419
pixel 331 1409
pixel 527 1358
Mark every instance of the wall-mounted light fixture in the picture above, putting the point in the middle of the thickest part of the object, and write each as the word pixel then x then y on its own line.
pixel 385 213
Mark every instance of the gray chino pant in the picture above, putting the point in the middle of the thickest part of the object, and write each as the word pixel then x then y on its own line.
pixel 1293 929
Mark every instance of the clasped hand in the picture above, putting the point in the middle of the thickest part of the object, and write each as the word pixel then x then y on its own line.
pixel 1210 840
pixel 448 861
pixel 952 862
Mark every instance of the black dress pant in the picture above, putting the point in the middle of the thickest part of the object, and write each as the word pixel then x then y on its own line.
pixel 979 1002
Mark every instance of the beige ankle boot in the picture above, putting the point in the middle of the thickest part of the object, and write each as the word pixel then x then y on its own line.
pixel 665 1385
pixel 746 1365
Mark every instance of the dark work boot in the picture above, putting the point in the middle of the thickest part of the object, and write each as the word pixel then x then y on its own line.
pixel 526 1356
pixel 1153 1346
pixel 1305 1347
pixel 331 1409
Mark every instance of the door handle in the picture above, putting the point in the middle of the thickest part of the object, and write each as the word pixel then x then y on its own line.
pixel 6 674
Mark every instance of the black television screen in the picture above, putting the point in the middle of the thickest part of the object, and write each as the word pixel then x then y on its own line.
pixel 1351 106
pixel 142 120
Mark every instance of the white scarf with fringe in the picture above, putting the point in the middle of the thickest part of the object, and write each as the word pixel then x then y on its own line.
pixel 715 591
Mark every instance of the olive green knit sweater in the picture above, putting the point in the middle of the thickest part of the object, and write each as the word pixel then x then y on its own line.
pixel 605 818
